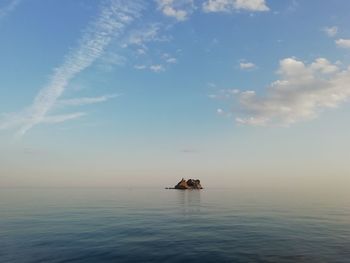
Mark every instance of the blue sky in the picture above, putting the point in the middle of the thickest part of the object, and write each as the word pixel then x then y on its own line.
pixel 109 92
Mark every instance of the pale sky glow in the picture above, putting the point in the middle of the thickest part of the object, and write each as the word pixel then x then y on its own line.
pixel 120 91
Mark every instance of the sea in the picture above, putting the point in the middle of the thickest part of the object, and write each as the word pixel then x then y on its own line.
pixel 159 225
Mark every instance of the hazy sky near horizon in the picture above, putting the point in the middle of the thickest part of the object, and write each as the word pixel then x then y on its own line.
pixel 118 92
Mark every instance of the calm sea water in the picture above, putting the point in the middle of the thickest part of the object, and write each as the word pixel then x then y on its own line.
pixel 158 225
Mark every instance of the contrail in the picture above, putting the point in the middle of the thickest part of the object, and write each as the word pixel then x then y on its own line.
pixel 110 24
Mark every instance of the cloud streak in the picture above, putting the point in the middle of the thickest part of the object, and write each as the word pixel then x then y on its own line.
pixel 85 100
pixel 246 65
pixel 113 19
pixel 8 8
pixel 211 6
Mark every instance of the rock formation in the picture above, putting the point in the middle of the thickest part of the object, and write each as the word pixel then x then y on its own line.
pixel 189 184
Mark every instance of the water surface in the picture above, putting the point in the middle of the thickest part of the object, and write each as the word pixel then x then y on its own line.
pixel 158 225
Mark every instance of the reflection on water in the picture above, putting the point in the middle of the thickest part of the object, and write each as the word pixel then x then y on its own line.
pixel 150 225
pixel 189 200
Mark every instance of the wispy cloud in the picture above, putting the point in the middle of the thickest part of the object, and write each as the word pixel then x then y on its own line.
pixel 244 65
pixel 330 31
pixel 143 35
pixel 231 5
pixel 301 93
pixel 157 68
pixel 343 43
pixel 85 100
pixel 113 19
pixel 14 119
pixel 9 6
pixel 178 9
pixel 110 60
pixel 139 38
pixel 63 118
pixel 169 59
pixel 140 67
pixel 224 94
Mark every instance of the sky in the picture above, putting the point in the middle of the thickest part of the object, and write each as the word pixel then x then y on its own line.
pixel 143 93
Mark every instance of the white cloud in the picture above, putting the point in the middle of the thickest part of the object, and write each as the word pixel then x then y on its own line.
pixel 251 5
pixel 178 9
pixel 301 93
pixel 224 94
pixel 252 121
pixel 110 60
pixel 169 59
pixel 111 23
pixel 324 66
pixel 141 36
pixel 223 113
pixel 138 39
pixel 178 14
pixel 139 67
pixel 220 111
pixel 157 68
pixel 330 31
pixel 85 100
pixel 343 43
pixel 8 7
pixel 247 65
pixel 141 51
pixel 231 5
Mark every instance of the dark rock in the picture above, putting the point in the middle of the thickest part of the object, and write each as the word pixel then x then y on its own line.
pixel 189 184
pixel 194 184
